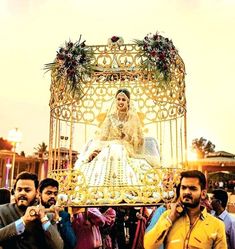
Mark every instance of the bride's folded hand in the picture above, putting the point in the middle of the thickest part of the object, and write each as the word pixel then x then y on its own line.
pixel 123 135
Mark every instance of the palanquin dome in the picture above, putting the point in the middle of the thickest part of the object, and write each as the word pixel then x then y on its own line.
pixel 80 99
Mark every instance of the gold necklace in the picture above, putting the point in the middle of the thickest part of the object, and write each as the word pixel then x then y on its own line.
pixel 118 122
pixel 122 116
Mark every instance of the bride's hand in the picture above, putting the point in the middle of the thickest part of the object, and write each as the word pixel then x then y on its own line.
pixel 123 135
pixel 93 155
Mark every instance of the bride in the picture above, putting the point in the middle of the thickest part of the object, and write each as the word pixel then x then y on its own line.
pixel 117 154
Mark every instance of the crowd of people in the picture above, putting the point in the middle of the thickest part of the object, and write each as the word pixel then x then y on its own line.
pixel 31 219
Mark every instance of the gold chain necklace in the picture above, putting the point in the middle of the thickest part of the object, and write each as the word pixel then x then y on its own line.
pixel 118 122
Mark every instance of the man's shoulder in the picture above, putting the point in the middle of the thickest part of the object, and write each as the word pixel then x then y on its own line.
pixel 210 216
pixel 214 220
pixel 231 217
pixel 7 212
pixel 5 207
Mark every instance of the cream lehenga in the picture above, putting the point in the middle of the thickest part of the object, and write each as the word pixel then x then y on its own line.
pixel 120 156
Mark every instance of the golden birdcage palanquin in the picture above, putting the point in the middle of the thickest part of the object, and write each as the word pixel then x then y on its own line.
pixel 74 117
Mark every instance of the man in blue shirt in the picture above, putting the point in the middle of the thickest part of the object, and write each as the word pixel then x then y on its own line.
pixel 48 191
pixel 219 202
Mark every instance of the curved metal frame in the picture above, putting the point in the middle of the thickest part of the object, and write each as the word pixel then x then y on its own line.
pixel 162 105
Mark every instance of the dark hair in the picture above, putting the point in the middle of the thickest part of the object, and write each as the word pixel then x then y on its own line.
pixel 27 176
pixel 5 196
pixel 194 174
pixel 177 191
pixel 48 182
pixel 221 195
pixel 125 91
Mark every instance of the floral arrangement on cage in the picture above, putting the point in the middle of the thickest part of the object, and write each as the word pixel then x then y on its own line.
pixel 158 54
pixel 72 64
pixel 115 41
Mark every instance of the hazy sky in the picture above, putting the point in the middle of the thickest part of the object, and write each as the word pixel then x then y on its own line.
pixel 202 30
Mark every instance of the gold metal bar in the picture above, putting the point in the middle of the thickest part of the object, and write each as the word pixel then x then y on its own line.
pixel 171 141
pixel 176 142
pixel 55 148
pixel 71 138
pixel 185 140
pixel 50 144
pixel 59 133
pixel 181 143
pixel 160 142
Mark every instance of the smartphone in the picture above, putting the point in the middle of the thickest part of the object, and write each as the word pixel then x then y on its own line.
pixel 181 209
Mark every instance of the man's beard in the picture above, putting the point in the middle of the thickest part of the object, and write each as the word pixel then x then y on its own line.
pixel 194 204
pixel 24 207
pixel 48 204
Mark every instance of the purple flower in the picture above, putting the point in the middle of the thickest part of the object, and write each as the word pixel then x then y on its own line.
pixel 153 53
pixel 114 38
pixel 60 56
pixel 155 37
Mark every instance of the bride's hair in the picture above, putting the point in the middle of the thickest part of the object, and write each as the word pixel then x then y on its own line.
pixel 125 91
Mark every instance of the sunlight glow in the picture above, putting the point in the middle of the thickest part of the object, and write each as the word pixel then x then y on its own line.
pixel 192 156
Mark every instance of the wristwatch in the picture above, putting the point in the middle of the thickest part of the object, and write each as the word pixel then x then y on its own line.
pixel 44 219
pixel 58 220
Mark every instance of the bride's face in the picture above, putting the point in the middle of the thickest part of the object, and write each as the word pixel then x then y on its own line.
pixel 122 102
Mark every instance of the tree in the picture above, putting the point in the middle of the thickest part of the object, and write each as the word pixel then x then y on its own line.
pixel 202 146
pixel 5 144
pixel 41 149
pixel 22 153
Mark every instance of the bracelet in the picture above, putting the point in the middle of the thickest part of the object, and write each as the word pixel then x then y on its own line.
pixel 44 219
pixel 168 218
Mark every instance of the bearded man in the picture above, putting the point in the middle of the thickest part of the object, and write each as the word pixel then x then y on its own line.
pixel 24 224
pixel 48 192
pixel 187 224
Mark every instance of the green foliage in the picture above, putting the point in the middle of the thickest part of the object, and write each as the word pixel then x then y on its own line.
pixel 202 146
pixel 41 148
pixel 22 153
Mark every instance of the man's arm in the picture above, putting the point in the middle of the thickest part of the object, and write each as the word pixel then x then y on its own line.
pixel 53 238
pixel 157 214
pixel 52 235
pixel 12 229
pixel 8 231
pixel 220 241
pixel 154 237
pixel 232 234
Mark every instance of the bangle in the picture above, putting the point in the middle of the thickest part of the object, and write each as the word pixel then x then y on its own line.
pixel 168 218
pixel 44 219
